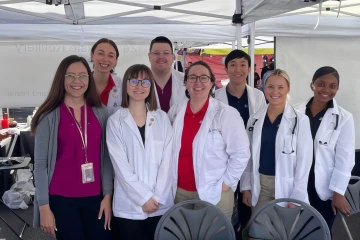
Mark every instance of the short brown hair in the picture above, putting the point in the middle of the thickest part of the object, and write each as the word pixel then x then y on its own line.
pixel 212 76
pixel 133 72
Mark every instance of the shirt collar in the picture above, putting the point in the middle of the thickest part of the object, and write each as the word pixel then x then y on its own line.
pixel 167 83
pixel 330 104
pixel 229 95
pixel 201 112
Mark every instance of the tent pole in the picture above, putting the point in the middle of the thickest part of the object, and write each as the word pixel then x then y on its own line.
pixel 251 48
pixel 238 36
pixel 238 25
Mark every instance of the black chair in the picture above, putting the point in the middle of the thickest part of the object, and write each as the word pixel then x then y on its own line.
pixel 352 196
pixel 183 222
pixel 273 221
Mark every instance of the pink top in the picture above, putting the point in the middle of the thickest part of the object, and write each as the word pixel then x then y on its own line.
pixel 67 178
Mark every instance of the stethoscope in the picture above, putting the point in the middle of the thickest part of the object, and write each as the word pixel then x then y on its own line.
pixel 335 128
pixel 251 129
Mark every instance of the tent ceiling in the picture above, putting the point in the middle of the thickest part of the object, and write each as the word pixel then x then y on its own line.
pixel 204 21
pixel 254 10
pixel 117 12
pixel 301 23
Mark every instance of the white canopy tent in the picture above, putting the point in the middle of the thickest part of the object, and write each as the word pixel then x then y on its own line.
pixel 133 21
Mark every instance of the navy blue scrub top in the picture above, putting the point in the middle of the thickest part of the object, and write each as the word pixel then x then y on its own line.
pixel 267 149
pixel 315 121
pixel 241 104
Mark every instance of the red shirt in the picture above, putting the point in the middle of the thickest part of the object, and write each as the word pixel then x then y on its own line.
pixel 67 177
pixel 104 95
pixel 192 123
pixel 165 95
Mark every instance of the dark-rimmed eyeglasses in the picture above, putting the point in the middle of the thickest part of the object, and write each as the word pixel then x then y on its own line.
pixel 72 77
pixel 134 82
pixel 193 78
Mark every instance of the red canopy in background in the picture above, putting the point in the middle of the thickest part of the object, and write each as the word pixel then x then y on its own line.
pixel 217 66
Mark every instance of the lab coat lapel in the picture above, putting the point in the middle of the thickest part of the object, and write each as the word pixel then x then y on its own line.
pixel 257 132
pixel 200 138
pixel 328 122
pixel 129 120
pixel 285 128
pixel 150 120
pixel 222 96
pixel 251 99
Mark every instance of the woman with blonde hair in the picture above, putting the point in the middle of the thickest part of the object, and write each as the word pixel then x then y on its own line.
pixel 281 148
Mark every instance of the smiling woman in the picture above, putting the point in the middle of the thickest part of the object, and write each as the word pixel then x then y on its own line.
pixel 207 132
pixel 70 151
pixel 333 133
pixel 104 55
pixel 142 162
pixel 281 148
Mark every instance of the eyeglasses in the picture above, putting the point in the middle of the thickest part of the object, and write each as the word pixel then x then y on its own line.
pixel 194 78
pixel 145 83
pixel 72 77
pixel 165 53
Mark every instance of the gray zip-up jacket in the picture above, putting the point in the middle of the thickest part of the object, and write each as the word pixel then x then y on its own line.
pixel 46 142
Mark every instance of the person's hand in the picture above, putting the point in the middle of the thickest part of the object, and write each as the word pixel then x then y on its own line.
pixel 47 220
pixel 339 202
pixel 105 207
pixel 150 206
pixel 225 187
pixel 246 197
pixel 291 205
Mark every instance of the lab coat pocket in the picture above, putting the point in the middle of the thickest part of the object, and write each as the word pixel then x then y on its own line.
pixel 329 138
pixel 289 145
pixel 216 141
pixel 215 151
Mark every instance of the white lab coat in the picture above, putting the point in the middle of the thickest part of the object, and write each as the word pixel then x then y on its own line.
pixel 177 88
pixel 141 172
pixel 115 95
pixel 333 162
pixel 256 98
pixel 291 170
pixel 220 148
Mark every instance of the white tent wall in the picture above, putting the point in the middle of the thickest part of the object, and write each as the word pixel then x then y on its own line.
pixel 301 57
pixel 29 68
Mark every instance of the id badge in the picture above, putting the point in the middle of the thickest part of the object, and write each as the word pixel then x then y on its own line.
pixel 87 171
